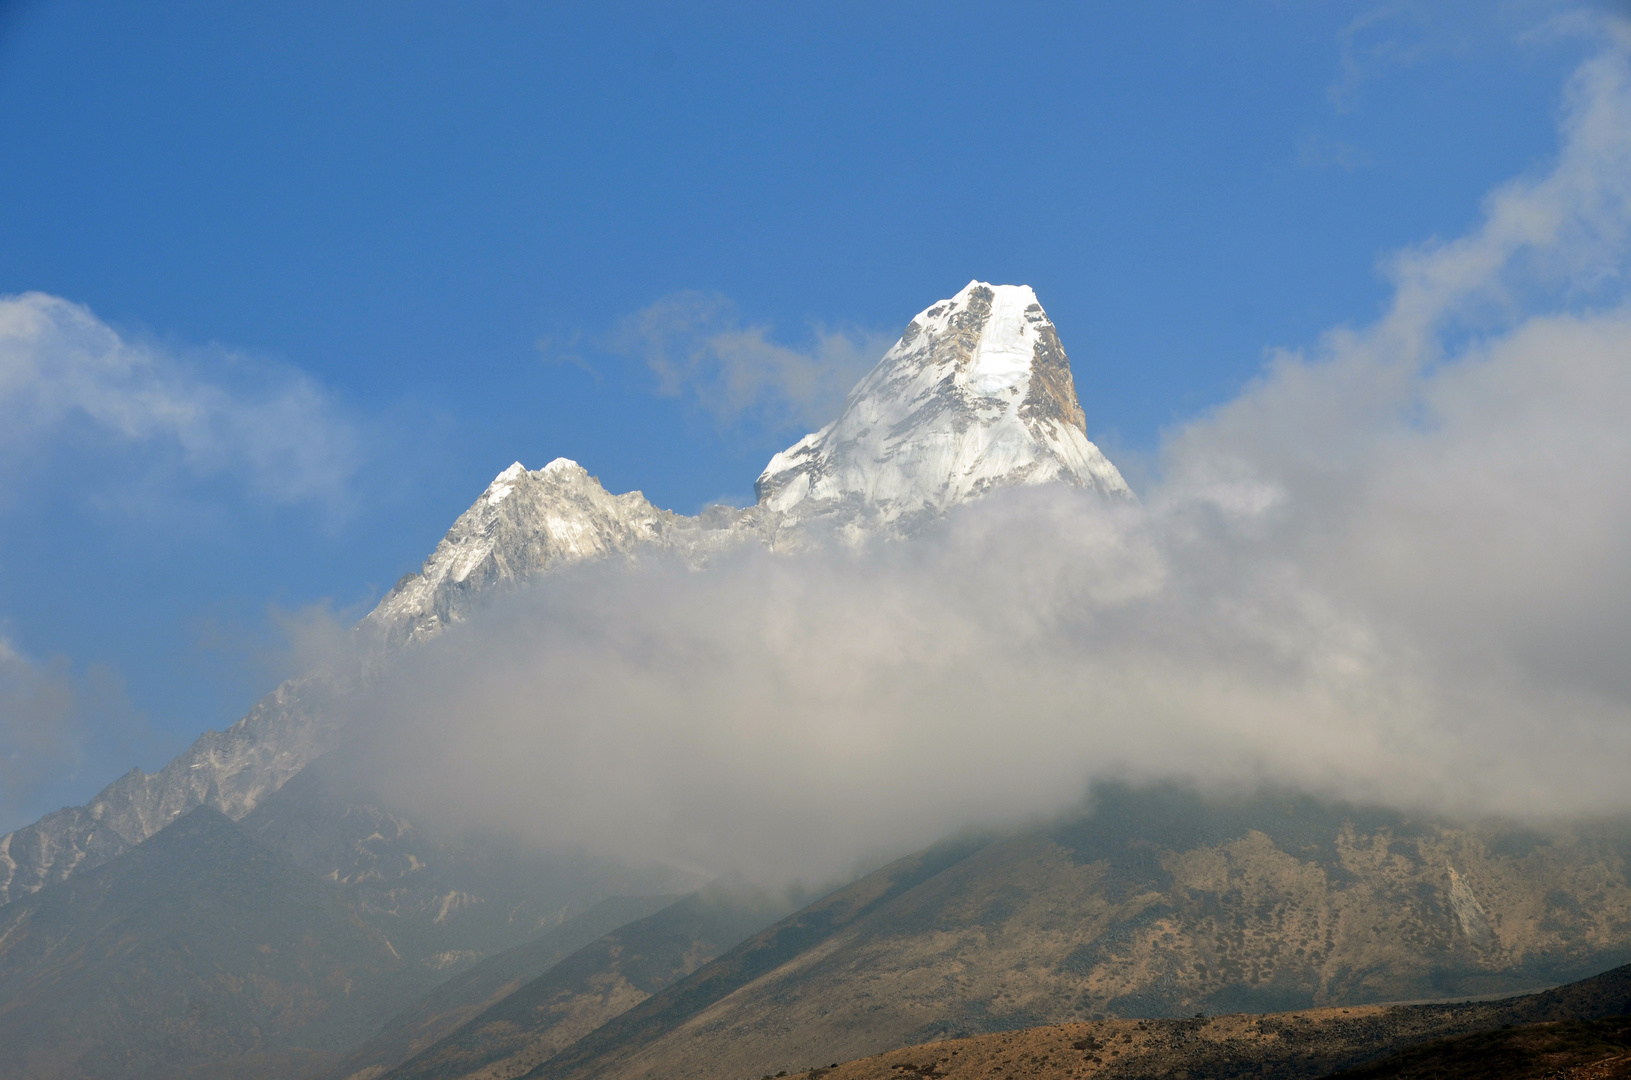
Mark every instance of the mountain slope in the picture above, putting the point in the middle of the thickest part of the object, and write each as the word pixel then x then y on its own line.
pixel 449 1005
pixel 1157 904
pixel 203 949
pixel 594 985
pixel 196 948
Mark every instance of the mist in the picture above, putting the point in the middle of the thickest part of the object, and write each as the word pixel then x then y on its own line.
pixel 1394 569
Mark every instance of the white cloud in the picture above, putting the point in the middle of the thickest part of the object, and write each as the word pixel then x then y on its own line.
pixel 1397 569
pixel 1567 229
pixel 66 375
pixel 697 344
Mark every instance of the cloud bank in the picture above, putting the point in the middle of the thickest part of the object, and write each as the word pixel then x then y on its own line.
pixel 1395 568
pixel 66 377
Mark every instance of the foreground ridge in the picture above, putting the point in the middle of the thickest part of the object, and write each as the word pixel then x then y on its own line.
pixel 1307 1043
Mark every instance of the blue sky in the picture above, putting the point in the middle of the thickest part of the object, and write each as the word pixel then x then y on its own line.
pixel 357 258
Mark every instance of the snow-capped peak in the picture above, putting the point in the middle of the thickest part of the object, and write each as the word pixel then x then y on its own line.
pixel 976 394
pixel 1002 359
pixel 504 482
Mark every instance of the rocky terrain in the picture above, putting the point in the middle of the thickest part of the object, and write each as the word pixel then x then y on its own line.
pixel 1154 903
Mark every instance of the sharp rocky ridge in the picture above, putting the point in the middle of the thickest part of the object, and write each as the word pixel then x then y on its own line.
pixel 976 395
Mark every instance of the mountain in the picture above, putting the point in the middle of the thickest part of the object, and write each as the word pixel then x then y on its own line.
pixel 982 381
pixel 528 523
pixel 976 394
pixel 229 770
pixel 1155 903
pixel 197 947
pixel 1575 1032
pixel 437 904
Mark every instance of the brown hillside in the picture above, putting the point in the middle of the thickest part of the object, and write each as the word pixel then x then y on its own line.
pixel 1157 904
pixel 1296 1045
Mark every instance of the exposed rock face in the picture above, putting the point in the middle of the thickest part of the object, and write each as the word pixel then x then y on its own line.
pixel 977 394
pixel 1159 903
